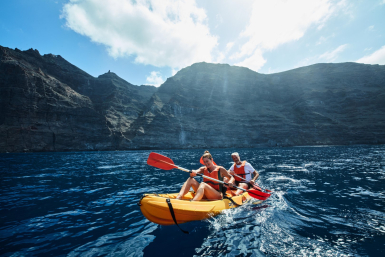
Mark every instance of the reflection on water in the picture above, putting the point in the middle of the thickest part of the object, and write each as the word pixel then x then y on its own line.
pixel 328 201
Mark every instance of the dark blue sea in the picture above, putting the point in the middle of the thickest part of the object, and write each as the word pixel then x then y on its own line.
pixel 327 201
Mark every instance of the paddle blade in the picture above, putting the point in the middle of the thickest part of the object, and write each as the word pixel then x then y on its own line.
pixel 258 194
pixel 256 187
pixel 160 161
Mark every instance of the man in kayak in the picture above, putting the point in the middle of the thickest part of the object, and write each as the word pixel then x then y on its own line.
pixel 208 189
pixel 245 175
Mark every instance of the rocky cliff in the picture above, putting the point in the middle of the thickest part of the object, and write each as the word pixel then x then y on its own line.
pixel 217 105
pixel 47 104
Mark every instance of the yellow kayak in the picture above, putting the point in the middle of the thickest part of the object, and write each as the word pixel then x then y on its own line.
pixel 156 207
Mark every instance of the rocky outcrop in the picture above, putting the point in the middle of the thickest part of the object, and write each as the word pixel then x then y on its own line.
pixel 217 105
pixel 48 104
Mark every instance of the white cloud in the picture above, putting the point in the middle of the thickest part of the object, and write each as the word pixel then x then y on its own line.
pixel 170 33
pixel 254 62
pixel 378 57
pixel 174 71
pixel 229 46
pixel 155 79
pixel 221 55
pixel 277 22
pixel 371 28
pixel 331 56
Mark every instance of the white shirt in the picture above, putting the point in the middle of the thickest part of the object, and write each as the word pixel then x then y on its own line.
pixel 248 170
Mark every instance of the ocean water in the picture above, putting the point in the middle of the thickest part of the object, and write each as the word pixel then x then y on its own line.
pixel 327 201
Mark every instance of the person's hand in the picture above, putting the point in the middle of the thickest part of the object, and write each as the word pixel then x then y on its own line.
pixel 192 174
pixel 252 182
pixel 231 185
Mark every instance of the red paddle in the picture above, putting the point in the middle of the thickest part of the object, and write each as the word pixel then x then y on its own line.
pixel 165 163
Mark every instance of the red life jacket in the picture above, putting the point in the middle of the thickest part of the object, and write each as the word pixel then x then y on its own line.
pixel 214 174
pixel 240 171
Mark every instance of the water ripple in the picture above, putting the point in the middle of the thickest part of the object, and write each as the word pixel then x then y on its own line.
pixel 327 201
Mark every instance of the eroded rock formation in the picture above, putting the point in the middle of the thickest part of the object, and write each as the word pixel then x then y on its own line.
pixel 47 104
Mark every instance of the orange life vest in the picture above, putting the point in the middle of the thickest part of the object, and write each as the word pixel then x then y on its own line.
pixel 214 174
pixel 240 171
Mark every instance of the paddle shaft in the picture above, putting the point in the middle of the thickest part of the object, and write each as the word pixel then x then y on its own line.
pixel 243 180
pixel 165 163
pixel 213 179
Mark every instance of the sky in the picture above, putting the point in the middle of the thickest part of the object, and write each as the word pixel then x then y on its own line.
pixel 148 41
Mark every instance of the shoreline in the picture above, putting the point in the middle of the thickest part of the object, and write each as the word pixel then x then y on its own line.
pixel 199 148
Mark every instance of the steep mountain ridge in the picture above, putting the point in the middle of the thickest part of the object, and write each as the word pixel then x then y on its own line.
pixel 216 105
pixel 48 104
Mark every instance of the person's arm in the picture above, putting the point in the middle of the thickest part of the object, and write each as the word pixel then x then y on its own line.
pixel 194 172
pixel 256 175
pixel 231 170
pixel 226 174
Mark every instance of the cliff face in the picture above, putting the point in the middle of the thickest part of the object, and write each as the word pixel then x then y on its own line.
pixel 216 105
pixel 47 104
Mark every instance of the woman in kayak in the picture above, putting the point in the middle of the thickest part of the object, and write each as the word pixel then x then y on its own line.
pixel 208 189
